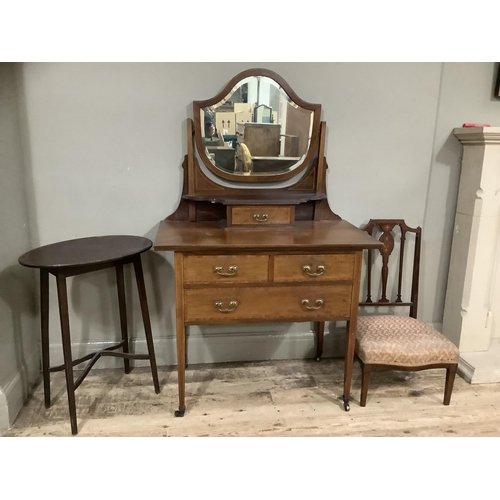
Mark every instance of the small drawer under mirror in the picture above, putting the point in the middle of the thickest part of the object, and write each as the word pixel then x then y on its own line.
pixel 260 215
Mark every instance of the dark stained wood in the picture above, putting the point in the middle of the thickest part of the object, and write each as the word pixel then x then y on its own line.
pixel 83 255
pixel 316 108
pixel 321 177
pixel 44 317
pixel 141 288
pixel 62 295
pixel 450 379
pixel 387 226
pixel 120 284
pixel 260 197
pixel 366 369
pixel 85 251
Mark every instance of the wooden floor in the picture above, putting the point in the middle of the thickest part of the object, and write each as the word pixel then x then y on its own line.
pixel 279 398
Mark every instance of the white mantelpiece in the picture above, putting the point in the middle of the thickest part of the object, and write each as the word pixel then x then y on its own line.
pixel 472 306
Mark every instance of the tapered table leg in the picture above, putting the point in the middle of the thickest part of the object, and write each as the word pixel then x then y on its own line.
pixel 180 330
pixel 181 365
pixel 44 307
pixel 139 276
pixel 320 326
pixel 120 284
pixel 351 330
pixel 349 361
pixel 62 295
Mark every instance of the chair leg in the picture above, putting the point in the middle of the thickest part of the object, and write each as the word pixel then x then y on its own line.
pixel 365 379
pixel 120 284
pixel 319 339
pixel 66 341
pixel 450 379
pixel 141 287
pixel 44 306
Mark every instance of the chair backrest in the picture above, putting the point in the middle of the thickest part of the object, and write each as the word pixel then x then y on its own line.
pixel 387 226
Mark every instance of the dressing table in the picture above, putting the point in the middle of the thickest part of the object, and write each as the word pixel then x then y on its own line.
pixel 261 244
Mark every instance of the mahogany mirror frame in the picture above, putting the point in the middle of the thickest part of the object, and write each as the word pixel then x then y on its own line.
pixel 256 177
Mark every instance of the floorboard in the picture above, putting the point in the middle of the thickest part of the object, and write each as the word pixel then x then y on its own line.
pixel 279 398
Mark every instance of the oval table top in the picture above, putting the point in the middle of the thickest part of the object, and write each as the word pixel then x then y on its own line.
pixel 85 251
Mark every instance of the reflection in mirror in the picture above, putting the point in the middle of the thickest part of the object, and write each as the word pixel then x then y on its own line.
pixel 256 129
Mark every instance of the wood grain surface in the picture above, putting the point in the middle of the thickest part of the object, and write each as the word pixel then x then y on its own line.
pixel 272 398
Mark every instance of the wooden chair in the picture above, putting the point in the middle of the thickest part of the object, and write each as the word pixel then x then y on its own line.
pixel 389 342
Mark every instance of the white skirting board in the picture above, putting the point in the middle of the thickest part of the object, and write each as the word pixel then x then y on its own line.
pixel 15 393
pixel 207 345
pixel 221 344
pixel 481 367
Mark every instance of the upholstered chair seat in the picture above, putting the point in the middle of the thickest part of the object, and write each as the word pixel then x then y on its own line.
pixel 401 341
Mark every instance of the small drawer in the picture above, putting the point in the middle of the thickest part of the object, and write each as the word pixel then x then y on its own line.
pixel 225 269
pixel 328 267
pixel 261 215
pixel 281 303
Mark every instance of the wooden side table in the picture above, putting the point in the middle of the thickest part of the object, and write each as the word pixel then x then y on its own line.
pixel 84 255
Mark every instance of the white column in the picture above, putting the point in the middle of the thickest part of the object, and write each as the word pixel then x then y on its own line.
pixel 469 310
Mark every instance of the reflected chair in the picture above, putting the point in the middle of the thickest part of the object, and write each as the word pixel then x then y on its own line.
pixel 390 342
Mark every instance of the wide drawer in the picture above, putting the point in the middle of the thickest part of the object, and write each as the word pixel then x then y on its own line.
pixel 261 215
pixel 324 267
pixel 281 303
pixel 225 269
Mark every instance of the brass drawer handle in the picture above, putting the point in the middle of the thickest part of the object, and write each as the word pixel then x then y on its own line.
pixel 319 304
pixel 261 218
pixel 232 270
pixel 319 270
pixel 233 304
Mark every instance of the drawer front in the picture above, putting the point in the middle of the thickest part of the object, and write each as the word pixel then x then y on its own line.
pixel 329 267
pixel 261 215
pixel 283 303
pixel 226 269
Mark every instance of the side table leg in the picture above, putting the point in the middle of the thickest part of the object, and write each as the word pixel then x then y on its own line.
pixel 120 284
pixel 44 310
pixel 62 295
pixel 139 276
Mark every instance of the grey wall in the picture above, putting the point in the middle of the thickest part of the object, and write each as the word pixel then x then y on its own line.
pixel 103 144
pixel 19 358
pixel 466 96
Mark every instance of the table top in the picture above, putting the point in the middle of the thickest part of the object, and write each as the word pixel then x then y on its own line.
pixel 85 251
pixel 307 235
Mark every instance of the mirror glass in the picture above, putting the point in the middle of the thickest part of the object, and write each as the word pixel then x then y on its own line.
pixel 256 129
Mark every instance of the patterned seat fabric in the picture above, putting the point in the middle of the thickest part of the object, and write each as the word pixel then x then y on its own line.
pixel 403 341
